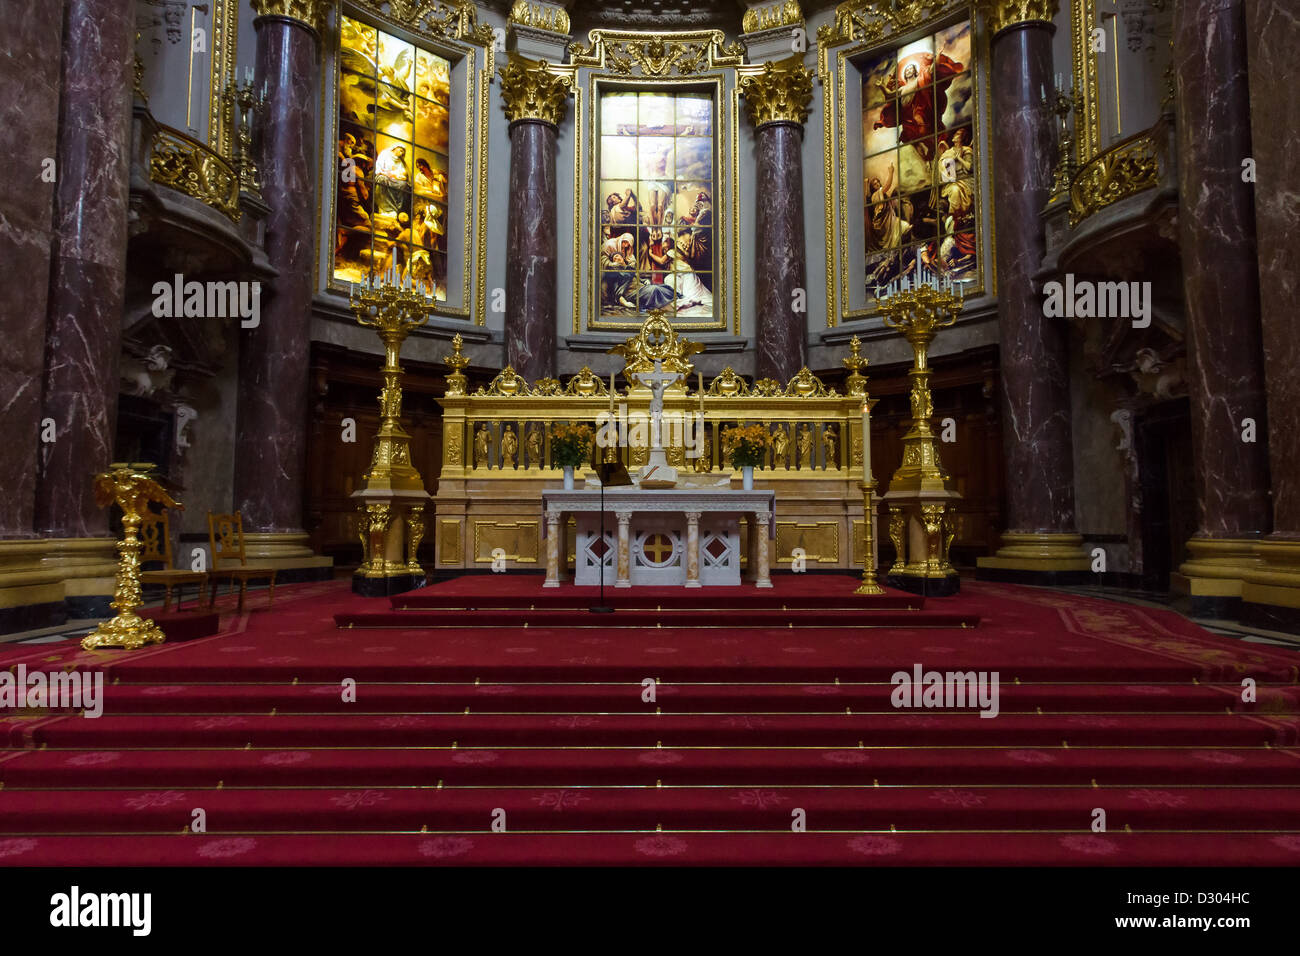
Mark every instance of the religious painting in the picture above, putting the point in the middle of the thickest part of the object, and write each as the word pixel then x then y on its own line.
pixel 918 178
pixel 656 187
pixel 391 185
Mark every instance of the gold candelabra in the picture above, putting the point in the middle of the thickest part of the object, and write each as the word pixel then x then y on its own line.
pixel 456 361
pixel 1062 104
pixel 131 487
pixel 922 518
pixel 392 311
pixel 242 105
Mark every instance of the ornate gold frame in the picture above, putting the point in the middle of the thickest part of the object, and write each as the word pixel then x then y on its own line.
pixel 860 29
pixel 688 59
pixel 1087 115
pixel 224 50
pixel 450 31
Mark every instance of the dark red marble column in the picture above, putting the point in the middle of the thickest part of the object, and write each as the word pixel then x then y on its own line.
pixel 1033 350
pixel 1273 35
pixel 1216 225
pixel 30 62
pixel 271 444
pixel 87 284
pixel 780 336
pixel 531 250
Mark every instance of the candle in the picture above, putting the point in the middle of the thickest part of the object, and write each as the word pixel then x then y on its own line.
pixel 248 75
pixel 700 377
pixel 611 397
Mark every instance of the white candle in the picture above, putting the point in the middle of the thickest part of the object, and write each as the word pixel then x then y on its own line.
pixel 611 397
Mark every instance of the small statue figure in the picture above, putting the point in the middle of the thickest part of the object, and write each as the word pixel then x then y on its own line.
pixel 509 447
pixel 535 447
pixel 831 441
pixel 481 440
pixel 806 447
pixel 780 446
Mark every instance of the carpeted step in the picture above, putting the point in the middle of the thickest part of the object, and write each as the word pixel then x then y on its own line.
pixel 644 808
pixel 799 619
pixel 704 598
pixel 897 729
pixel 551 767
pixel 315 698
pixel 476 848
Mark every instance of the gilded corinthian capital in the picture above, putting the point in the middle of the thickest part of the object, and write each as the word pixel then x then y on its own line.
pixel 530 90
pixel 780 94
pixel 310 12
pixel 1001 14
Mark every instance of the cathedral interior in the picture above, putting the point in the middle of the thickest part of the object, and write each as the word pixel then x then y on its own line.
pixel 999 283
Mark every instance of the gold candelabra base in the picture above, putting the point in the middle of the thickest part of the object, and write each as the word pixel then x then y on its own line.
pixel 869 583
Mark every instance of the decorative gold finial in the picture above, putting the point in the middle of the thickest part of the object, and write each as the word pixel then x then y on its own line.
pixel 779 94
pixel 530 91
pixel 456 361
pixel 131 487
pixel 856 383
pixel 656 342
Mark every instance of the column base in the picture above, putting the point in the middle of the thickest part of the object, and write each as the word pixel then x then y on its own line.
pixel 290 553
pixel 1211 579
pixel 1041 558
pixel 46 582
pixel 944 586
pixel 387 586
pixel 1270 594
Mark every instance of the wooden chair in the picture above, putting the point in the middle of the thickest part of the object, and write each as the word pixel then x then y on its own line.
pixel 226 535
pixel 156 546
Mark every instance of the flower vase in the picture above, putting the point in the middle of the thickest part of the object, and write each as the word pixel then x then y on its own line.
pixel 568 477
pixel 747 476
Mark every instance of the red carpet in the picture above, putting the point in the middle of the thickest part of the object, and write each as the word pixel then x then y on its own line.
pixel 490 693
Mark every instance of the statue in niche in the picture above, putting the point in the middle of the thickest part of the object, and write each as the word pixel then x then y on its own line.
pixel 534 444
pixel 482 438
pixel 806 459
pixel 509 447
pixel 831 440
pixel 780 447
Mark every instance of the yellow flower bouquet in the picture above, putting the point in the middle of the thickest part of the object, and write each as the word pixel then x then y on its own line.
pixel 570 445
pixel 749 444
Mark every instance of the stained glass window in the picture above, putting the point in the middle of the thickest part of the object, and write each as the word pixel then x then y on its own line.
pixel 391 188
pixel 919 169
pixel 656 246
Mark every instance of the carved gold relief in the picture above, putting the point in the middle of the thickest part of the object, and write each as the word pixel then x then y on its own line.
pixel 311 12
pixel 688 53
pixel 517 539
pixel 529 90
pixel 769 18
pixel 779 94
pixel 820 541
pixel 455 21
pixel 1126 168
pixel 449 542
pixel 540 16
pixel 184 164
pixel 1001 14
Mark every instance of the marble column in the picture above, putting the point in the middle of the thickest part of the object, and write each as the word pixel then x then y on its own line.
pixel 693 549
pixel 30 47
pixel 1273 34
pixel 83 331
pixel 762 549
pixel 535 100
pixel 624 554
pixel 777 102
pixel 553 547
pixel 1040 542
pixel 1216 226
pixel 270 458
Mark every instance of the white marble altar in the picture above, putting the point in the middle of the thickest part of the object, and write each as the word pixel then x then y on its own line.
pixel 660 536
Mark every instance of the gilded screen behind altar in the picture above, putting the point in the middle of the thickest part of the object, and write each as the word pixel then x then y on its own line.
pixel 918 105
pixel 391 208
pixel 656 244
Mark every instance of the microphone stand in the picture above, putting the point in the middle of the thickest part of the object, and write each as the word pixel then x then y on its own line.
pixel 604 469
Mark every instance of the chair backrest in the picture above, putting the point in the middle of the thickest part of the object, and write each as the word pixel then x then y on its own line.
pixel 226 536
pixel 155 538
